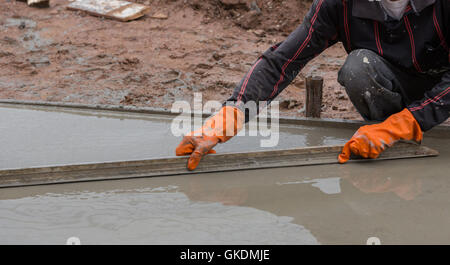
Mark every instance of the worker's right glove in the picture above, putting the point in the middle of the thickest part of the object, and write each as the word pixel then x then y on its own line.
pixel 218 129
pixel 371 140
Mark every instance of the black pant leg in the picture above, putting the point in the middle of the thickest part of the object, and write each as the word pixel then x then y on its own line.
pixel 371 85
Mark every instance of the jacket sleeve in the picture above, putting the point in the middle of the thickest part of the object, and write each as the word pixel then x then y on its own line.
pixel 279 65
pixel 435 107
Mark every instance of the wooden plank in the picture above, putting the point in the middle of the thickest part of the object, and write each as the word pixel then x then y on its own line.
pixel 314 87
pixel 211 163
pixel 39 3
pixel 114 9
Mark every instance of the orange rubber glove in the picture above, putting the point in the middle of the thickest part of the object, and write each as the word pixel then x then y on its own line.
pixel 218 129
pixel 371 140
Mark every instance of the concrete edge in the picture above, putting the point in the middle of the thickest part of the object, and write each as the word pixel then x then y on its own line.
pixel 284 120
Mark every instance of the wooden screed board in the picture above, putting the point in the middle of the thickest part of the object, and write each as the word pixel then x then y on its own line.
pixel 210 163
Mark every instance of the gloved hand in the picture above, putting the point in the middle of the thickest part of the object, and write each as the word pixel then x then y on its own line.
pixel 371 140
pixel 218 129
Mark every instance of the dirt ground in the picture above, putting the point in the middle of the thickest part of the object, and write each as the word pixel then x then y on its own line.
pixel 206 46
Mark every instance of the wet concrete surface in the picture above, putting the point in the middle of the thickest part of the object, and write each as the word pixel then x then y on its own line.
pixel 41 136
pixel 398 201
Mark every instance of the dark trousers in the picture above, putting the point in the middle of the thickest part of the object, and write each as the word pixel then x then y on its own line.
pixel 379 89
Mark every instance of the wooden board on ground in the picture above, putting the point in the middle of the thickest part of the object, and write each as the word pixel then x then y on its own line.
pixel 114 9
pixel 212 163
pixel 39 3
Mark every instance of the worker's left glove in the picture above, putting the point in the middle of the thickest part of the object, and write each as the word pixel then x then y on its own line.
pixel 371 140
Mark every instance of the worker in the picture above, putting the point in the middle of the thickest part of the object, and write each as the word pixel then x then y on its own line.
pixel 396 72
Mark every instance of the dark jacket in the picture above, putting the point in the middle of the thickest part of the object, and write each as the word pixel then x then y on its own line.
pixel 417 44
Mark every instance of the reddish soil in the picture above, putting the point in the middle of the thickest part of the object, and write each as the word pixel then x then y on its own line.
pixel 207 46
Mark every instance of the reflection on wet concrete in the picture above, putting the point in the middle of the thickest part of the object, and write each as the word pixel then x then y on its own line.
pixel 399 201
pixel 326 185
pixel 140 216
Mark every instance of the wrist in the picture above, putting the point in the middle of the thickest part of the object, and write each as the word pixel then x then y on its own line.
pixel 405 126
pixel 223 125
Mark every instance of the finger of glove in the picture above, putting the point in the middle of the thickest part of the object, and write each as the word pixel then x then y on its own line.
pixel 376 150
pixel 374 154
pixel 345 154
pixel 194 160
pixel 185 147
pixel 199 152
pixel 359 148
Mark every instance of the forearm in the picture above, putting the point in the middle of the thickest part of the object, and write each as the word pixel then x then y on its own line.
pixel 279 65
pixel 434 108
